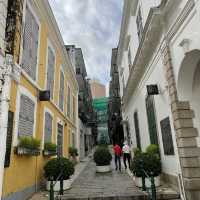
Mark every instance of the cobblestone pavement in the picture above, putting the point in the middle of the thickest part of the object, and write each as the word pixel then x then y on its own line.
pixel 92 185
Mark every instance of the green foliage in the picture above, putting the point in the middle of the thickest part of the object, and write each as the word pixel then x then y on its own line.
pixel 148 161
pixel 152 149
pixel 53 168
pixel 73 151
pixel 137 151
pixel 48 146
pixel 29 143
pixel 102 156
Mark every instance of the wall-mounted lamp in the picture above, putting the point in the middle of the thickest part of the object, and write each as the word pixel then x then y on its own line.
pixel 152 89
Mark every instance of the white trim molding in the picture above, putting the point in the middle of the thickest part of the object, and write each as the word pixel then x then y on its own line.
pixel 23 91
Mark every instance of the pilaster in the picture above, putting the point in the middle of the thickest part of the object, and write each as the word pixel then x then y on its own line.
pixel 186 134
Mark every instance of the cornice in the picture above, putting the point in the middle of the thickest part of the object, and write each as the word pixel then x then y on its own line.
pixel 124 27
pixel 151 37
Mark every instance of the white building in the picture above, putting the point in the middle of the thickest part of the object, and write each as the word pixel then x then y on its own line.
pixel 4 86
pixel 160 45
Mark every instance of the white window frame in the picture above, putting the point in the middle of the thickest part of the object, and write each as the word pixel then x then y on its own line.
pixel 47 110
pixel 23 91
pixel 50 44
pixel 27 3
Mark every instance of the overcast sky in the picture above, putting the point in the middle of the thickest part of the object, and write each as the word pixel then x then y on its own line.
pixel 94 26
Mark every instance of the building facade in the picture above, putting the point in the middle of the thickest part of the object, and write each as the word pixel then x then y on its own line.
pixel 101 108
pixel 158 60
pixel 4 85
pixel 115 126
pixel 86 136
pixel 44 96
pixel 98 89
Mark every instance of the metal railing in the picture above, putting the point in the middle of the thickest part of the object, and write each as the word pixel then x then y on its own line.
pixel 152 190
pixel 52 183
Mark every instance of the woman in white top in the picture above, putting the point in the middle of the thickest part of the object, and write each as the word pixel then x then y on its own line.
pixel 126 154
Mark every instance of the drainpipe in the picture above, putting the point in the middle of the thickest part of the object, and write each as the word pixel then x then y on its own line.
pixel 5 81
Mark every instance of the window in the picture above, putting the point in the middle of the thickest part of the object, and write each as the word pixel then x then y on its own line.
pixel 139 24
pixel 137 130
pixel 30 44
pixel 50 71
pixel 9 139
pixel 26 116
pixel 78 70
pixel 151 117
pixel 167 137
pixel 60 139
pixel 61 93
pixel 48 127
pixel 129 58
pixel 68 101
pixel 74 109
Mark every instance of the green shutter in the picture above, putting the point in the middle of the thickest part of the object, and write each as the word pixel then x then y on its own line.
pixel 151 120
pixel 60 140
pixel 137 130
pixel 9 139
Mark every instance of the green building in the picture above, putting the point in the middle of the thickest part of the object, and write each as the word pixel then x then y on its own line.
pixel 100 105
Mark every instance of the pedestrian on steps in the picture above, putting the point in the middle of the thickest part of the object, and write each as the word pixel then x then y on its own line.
pixel 126 154
pixel 118 152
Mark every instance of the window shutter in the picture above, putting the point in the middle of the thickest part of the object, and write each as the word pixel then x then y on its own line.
pixel 50 72
pixel 68 102
pixel 26 116
pixel 35 35
pixel 9 139
pixel 30 44
pixel 48 127
pixel 60 140
pixel 167 136
pixel 137 130
pixel 151 120
pixel 61 95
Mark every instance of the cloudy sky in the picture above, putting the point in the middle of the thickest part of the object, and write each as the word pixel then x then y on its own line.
pixel 94 26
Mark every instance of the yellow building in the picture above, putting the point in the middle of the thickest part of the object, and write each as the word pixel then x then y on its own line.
pixel 42 64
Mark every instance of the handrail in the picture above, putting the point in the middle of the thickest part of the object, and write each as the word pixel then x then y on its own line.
pixel 152 193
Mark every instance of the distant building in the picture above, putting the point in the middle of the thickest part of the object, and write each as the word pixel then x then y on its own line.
pixel 98 89
pixel 115 127
pixel 87 129
pixel 101 107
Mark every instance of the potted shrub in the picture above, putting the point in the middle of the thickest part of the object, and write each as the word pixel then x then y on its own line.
pixel 102 158
pixel 28 146
pixel 53 168
pixel 150 162
pixel 50 149
pixel 73 152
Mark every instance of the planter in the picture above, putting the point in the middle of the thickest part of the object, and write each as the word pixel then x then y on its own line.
pixel 103 169
pixel 25 151
pixel 66 185
pixel 49 153
pixel 138 181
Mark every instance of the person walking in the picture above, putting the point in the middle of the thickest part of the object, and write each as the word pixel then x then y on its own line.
pixel 118 152
pixel 126 155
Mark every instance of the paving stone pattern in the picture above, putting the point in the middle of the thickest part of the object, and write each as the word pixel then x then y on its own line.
pixel 112 185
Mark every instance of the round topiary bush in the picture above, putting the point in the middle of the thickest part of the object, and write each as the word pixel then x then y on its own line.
pixel 102 156
pixel 54 166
